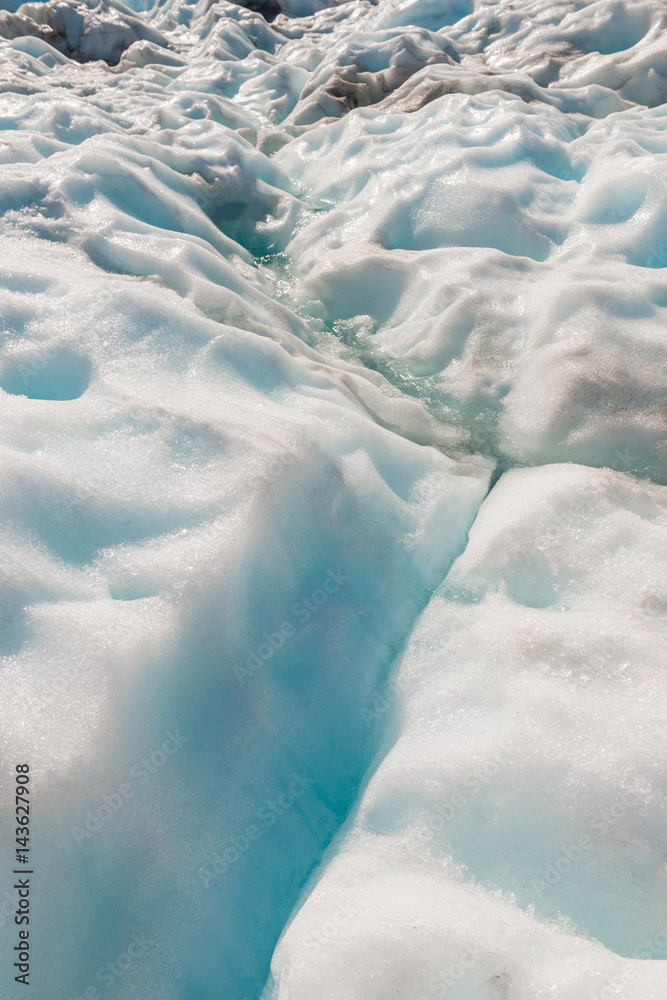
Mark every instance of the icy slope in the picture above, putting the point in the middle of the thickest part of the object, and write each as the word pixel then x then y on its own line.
pixel 283 292
pixel 206 536
pixel 520 808
pixel 515 278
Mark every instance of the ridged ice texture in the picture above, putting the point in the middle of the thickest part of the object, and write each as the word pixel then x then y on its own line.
pixel 333 502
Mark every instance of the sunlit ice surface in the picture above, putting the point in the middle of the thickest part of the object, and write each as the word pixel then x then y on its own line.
pixel 333 393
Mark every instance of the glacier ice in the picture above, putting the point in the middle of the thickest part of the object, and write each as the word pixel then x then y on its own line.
pixel 334 497
pixel 162 526
pixel 505 807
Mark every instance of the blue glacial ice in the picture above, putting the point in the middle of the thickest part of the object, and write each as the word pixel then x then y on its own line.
pixel 333 382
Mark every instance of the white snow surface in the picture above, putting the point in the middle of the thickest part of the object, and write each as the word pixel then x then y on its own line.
pixel 333 388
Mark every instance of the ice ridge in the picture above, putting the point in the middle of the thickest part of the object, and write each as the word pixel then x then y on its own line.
pixel 334 496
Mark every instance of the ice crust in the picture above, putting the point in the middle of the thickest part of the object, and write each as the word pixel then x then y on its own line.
pixel 334 398
pixel 467 837
pixel 159 526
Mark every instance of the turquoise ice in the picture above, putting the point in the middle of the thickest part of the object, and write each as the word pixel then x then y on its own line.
pixel 334 497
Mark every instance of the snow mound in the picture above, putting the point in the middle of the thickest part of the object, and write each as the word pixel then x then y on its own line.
pixel 85 30
pixel 334 408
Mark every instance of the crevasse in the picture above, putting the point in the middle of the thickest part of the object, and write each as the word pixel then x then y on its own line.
pixel 333 394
